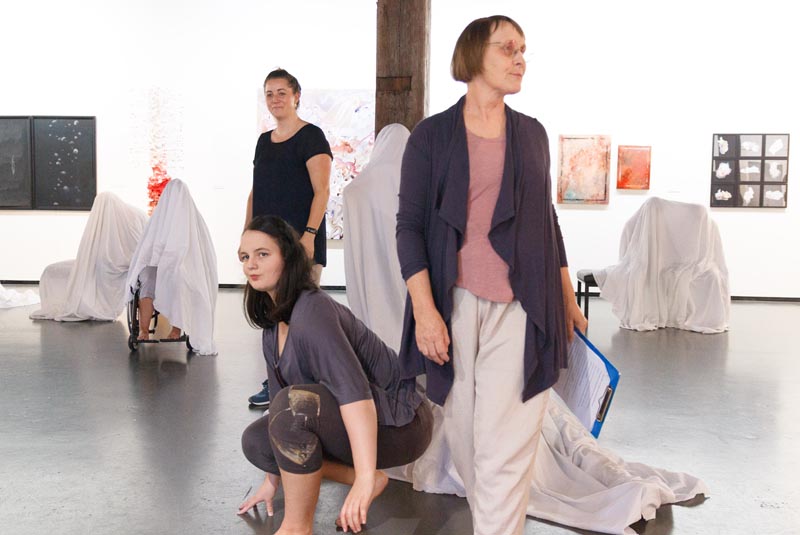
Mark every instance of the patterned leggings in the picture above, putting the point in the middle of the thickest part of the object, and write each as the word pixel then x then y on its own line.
pixel 304 426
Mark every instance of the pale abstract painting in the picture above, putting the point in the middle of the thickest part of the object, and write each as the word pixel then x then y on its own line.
pixel 583 169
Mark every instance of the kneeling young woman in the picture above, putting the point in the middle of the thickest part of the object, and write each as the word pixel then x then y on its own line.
pixel 342 411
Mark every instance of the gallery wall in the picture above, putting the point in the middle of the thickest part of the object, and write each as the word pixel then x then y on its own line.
pixel 667 75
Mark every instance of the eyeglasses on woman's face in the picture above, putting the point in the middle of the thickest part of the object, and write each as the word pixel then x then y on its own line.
pixel 511 48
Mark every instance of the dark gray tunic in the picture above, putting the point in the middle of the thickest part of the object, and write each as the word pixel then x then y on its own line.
pixel 328 345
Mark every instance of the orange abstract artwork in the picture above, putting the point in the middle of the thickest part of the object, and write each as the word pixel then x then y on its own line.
pixel 633 167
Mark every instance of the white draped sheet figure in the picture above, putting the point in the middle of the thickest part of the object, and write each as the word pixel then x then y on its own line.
pixel 370 203
pixel 576 481
pixel 92 286
pixel 11 298
pixel 176 241
pixel 671 271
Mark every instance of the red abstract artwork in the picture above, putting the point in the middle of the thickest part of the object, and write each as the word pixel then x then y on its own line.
pixel 633 167
pixel 156 183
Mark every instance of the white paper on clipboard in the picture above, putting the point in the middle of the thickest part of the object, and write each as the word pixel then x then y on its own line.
pixel 584 386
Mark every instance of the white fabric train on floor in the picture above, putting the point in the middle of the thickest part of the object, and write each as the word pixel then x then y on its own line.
pixel 176 241
pixel 92 286
pixel 12 298
pixel 671 271
pixel 576 482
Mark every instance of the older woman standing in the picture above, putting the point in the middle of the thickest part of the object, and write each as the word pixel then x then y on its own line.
pixel 291 177
pixel 481 251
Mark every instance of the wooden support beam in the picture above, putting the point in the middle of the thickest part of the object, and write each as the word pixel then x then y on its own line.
pixel 403 51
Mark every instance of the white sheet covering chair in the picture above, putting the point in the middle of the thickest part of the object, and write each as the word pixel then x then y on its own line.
pixel 671 271
pixel 92 286
pixel 576 481
pixel 176 241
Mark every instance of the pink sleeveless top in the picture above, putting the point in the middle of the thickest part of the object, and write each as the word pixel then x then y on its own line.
pixel 480 268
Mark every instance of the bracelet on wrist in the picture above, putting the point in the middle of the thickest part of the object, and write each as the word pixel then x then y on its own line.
pixel 311 230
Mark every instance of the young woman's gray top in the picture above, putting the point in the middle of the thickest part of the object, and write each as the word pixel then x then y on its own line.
pixel 328 345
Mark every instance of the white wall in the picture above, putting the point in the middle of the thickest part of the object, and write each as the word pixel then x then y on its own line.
pixel 668 75
pixel 103 58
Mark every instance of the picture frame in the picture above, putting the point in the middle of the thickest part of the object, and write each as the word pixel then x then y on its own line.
pixel 65 168
pixel 583 169
pixel 16 164
pixel 633 167
pixel 749 170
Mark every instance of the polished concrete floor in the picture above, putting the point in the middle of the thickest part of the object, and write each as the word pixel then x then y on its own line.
pixel 95 439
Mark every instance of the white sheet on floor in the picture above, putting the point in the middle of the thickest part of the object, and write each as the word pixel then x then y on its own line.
pixel 370 202
pixel 176 241
pixel 92 286
pixel 576 481
pixel 671 271
pixel 11 298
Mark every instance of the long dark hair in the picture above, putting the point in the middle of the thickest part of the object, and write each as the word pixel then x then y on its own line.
pixel 259 307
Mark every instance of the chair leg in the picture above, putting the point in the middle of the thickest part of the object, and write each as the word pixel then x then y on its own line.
pixel 586 303
pixel 580 291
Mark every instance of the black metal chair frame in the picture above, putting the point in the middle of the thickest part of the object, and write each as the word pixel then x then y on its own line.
pixel 133 325
pixel 586 277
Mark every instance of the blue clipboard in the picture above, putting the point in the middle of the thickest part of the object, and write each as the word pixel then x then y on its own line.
pixel 588 385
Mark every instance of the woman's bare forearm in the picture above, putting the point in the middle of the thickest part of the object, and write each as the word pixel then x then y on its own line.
pixel 361 421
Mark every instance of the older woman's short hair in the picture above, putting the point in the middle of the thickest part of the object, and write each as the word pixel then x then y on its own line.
pixel 467 60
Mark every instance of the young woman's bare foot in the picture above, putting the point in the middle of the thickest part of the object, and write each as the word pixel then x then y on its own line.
pixel 144 335
pixel 381 480
pixel 282 531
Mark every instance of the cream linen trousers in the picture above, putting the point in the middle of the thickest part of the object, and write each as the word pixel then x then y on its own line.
pixel 491 433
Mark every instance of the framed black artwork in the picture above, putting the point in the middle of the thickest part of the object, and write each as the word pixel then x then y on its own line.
pixel 16 177
pixel 749 170
pixel 65 171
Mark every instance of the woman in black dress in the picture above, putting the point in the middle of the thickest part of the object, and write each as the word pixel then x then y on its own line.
pixel 291 176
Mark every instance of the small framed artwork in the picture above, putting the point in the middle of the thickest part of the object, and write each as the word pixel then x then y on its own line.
pixel 633 167
pixel 751 145
pixel 775 196
pixel 776 170
pixel 726 195
pixel 777 145
pixel 726 145
pixel 65 172
pixel 16 177
pixel 749 170
pixel 724 170
pixel 583 169
pixel 749 194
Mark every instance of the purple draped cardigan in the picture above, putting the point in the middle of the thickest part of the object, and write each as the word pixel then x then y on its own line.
pixel 431 222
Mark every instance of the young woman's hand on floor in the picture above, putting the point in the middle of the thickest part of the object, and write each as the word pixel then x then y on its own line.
pixel 265 493
pixel 354 511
